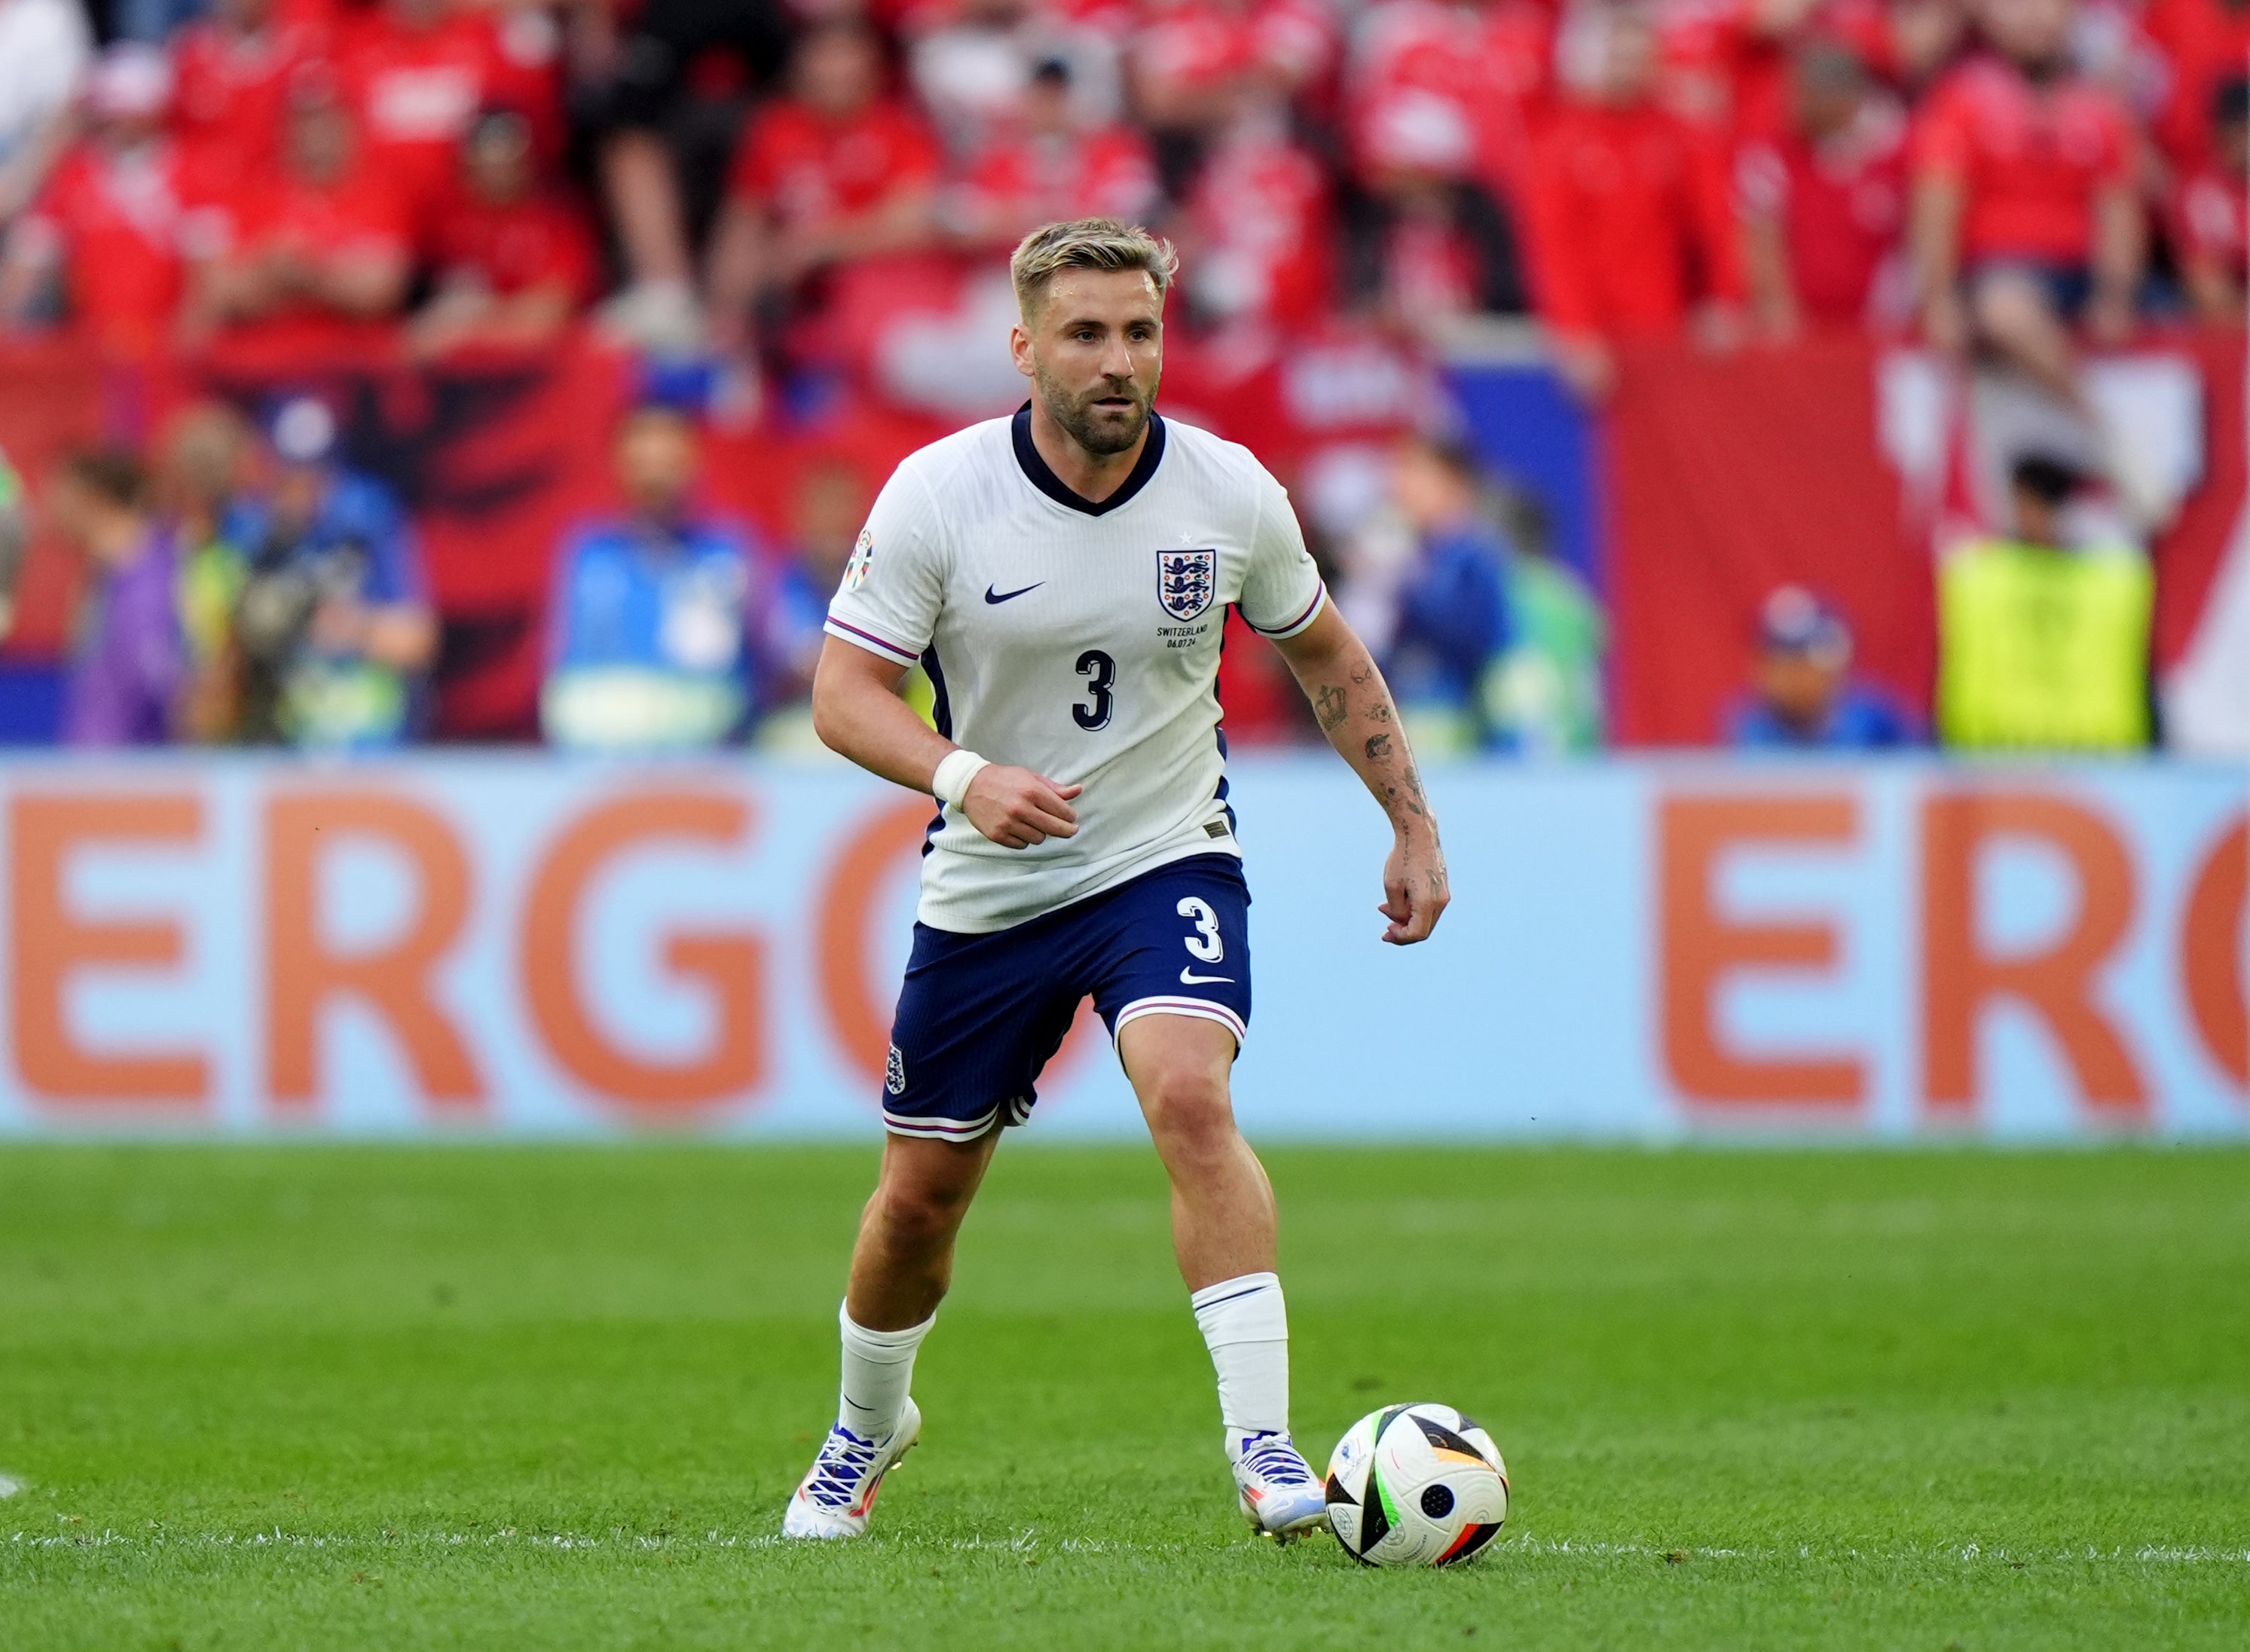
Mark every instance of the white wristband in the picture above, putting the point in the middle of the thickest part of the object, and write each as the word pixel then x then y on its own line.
pixel 955 770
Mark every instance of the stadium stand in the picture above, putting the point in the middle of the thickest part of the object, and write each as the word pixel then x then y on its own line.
pixel 1726 298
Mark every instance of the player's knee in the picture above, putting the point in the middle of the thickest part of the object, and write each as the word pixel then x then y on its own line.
pixel 1189 1113
pixel 916 1215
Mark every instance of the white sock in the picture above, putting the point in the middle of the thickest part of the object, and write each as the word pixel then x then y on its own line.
pixel 1246 1327
pixel 878 1372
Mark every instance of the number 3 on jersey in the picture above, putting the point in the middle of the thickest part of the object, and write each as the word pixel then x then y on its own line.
pixel 1103 672
pixel 1205 946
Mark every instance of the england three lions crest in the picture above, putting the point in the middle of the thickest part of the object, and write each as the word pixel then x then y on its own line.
pixel 1186 581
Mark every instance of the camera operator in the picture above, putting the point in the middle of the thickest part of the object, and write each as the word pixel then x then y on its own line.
pixel 333 626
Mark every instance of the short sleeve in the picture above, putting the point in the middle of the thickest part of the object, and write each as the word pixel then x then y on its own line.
pixel 1281 592
pixel 755 173
pixel 892 587
pixel 1941 142
pixel 2120 156
pixel 916 158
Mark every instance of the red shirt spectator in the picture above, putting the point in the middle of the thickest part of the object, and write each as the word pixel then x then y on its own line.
pixel 806 169
pixel 1486 65
pixel 112 216
pixel 1630 222
pixel 2205 43
pixel 2028 159
pixel 1027 178
pixel 833 177
pixel 316 255
pixel 2211 222
pixel 234 69
pixel 357 218
pixel 514 247
pixel 1824 201
pixel 1189 56
pixel 514 264
pixel 116 221
pixel 1258 218
pixel 1726 64
pixel 416 73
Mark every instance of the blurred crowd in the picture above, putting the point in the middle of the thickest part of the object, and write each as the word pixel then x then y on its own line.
pixel 247 585
pixel 800 185
pixel 811 193
pixel 251 587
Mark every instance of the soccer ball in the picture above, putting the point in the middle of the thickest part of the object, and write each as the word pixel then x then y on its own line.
pixel 1416 1485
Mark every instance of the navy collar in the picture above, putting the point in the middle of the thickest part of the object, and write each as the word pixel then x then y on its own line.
pixel 1042 476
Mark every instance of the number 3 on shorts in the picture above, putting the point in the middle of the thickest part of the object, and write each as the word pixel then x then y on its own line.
pixel 1205 946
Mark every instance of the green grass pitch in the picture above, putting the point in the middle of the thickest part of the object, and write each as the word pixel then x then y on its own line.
pixel 555 1397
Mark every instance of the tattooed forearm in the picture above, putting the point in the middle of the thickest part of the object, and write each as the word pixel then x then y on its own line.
pixel 1353 706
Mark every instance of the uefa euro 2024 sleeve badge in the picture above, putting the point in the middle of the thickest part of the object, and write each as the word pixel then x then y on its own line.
pixel 863 557
pixel 1186 581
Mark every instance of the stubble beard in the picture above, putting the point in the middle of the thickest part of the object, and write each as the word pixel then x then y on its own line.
pixel 1087 425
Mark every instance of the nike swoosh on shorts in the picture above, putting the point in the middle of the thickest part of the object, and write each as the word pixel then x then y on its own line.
pixel 991 596
pixel 1189 979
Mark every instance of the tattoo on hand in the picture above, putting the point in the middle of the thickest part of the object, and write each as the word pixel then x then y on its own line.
pixel 1378 745
pixel 1378 712
pixel 1328 706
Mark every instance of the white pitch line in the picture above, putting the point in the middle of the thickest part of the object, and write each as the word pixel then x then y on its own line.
pixel 9 1485
pixel 1031 1543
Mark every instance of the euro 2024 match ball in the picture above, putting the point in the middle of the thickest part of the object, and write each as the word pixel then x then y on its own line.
pixel 1416 1485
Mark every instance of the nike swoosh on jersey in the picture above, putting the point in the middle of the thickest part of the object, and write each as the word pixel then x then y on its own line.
pixel 991 596
pixel 1188 979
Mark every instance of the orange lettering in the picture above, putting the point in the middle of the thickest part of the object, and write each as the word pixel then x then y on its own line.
pixel 2211 952
pixel 1959 976
pixel 731 964
pixel 1701 948
pixel 302 973
pixel 49 944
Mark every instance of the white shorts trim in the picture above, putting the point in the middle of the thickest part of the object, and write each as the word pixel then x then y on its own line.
pixel 1202 1008
pixel 940 1129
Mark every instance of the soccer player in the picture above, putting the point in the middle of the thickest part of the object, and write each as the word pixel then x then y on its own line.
pixel 1063 575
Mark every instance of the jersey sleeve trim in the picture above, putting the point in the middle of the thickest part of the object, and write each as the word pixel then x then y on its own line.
pixel 869 641
pixel 1312 611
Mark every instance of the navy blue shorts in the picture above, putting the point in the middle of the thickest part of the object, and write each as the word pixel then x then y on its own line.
pixel 979 1015
pixel 2067 286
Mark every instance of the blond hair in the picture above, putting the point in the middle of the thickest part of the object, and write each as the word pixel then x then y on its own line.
pixel 1088 243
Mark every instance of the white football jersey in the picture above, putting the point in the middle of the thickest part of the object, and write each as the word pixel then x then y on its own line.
pixel 1078 639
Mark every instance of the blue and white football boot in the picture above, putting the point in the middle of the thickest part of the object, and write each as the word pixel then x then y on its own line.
pixel 836 1498
pixel 1280 1496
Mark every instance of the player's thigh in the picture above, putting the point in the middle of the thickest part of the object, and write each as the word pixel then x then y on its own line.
pixel 979 1016
pixel 1179 1066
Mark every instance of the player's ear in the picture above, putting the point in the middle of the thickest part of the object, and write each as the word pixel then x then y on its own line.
pixel 1019 347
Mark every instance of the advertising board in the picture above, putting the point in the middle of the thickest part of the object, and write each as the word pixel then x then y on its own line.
pixel 509 944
